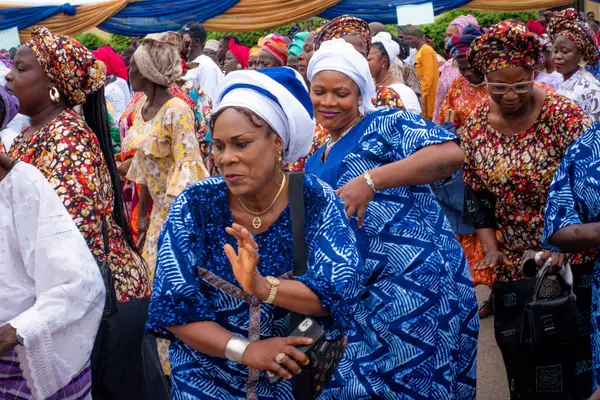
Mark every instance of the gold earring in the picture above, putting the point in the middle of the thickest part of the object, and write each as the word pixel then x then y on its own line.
pixel 239 66
pixel 54 95
pixel 280 157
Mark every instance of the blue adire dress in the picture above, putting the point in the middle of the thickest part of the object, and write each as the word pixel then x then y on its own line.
pixel 417 322
pixel 574 199
pixel 192 264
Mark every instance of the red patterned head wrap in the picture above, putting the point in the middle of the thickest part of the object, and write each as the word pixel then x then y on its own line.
pixel 277 45
pixel 344 26
pixel 72 67
pixel 566 23
pixel 507 44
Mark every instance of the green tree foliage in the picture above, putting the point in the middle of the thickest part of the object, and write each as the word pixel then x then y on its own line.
pixel 90 40
pixel 119 42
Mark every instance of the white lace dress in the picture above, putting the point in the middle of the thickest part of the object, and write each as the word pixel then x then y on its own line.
pixel 584 89
pixel 51 291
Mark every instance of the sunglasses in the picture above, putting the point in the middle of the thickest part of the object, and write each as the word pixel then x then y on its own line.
pixel 503 88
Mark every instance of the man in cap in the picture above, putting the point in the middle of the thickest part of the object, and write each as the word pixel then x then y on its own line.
pixel 207 75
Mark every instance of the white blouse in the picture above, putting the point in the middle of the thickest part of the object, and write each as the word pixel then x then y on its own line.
pixel 51 290
pixel 584 89
pixel 119 96
pixel 409 98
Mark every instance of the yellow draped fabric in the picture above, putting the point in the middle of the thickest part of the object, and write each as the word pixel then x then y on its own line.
pixel 250 15
pixel 87 17
pixel 512 5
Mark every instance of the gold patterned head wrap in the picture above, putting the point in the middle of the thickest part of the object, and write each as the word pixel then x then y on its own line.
pixel 71 66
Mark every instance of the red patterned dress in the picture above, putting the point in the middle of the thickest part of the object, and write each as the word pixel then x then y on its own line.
pixel 508 178
pixel 67 153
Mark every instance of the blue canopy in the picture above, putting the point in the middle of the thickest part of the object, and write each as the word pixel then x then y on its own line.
pixel 385 11
pixel 152 16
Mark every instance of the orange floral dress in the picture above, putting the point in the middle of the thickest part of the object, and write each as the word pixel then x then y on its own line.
pixel 463 98
pixel 67 153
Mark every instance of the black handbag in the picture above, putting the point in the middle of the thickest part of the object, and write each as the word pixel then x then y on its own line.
pixel 554 321
pixel 326 355
pixel 111 303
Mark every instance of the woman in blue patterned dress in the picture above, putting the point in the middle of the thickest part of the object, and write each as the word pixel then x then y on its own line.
pixel 573 214
pixel 417 322
pixel 226 321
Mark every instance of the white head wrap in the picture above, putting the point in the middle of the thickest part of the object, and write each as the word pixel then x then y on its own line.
pixel 338 55
pixel 280 97
pixel 391 48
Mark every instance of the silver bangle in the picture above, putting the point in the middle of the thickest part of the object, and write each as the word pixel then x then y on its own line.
pixel 370 182
pixel 235 348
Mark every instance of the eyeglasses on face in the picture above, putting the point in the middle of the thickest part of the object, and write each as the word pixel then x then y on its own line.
pixel 503 88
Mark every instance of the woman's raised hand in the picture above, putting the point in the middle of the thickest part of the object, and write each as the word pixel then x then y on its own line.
pixel 244 262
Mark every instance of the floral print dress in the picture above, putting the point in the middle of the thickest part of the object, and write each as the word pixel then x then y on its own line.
pixel 508 178
pixel 387 98
pixel 131 191
pixel 167 159
pixel 67 153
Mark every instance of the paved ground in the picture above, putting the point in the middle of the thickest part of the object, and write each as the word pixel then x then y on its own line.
pixel 491 377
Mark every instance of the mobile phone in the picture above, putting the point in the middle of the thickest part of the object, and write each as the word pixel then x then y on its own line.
pixel 307 328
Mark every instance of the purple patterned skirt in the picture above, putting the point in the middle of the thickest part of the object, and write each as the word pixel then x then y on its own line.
pixel 14 387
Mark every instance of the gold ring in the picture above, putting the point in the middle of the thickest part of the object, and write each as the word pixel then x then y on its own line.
pixel 280 357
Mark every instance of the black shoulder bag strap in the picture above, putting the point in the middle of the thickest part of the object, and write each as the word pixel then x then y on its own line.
pixel 302 383
pixel 296 191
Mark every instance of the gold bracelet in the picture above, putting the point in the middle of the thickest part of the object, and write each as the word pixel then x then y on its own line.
pixel 274 282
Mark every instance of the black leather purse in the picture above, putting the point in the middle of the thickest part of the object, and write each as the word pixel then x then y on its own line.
pixel 554 321
pixel 111 303
pixel 327 354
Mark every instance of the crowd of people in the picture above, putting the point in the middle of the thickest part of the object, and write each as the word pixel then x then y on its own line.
pixel 172 213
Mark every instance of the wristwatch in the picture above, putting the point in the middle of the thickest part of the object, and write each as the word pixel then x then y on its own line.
pixel 274 282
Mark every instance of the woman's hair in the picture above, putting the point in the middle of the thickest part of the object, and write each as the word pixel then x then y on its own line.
pixel 96 117
pixel 227 38
pixel 404 48
pixel 381 48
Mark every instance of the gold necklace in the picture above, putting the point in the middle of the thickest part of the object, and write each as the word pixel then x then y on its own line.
pixel 257 222
pixel 331 143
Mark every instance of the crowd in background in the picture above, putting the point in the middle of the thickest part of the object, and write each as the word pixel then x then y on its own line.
pixel 152 239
